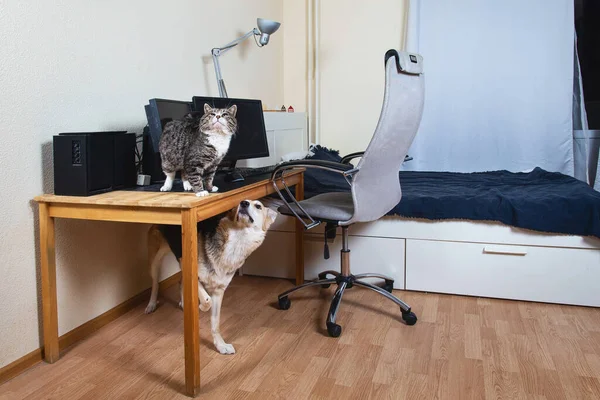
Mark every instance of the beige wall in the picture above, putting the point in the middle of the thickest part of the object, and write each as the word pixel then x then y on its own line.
pixel 353 38
pixel 80 66
pixel 295 53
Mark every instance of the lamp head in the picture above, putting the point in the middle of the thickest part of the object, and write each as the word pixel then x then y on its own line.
pixel 266 27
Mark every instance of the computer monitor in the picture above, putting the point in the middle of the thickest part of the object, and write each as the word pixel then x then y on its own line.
pixel 158 113
pixel 250 140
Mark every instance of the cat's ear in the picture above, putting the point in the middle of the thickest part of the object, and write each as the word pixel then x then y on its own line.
pixel 232 110
pixel 207 108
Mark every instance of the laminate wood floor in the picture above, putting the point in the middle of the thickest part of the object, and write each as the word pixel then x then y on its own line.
pixel 461 348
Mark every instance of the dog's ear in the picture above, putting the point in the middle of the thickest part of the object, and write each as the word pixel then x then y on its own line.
pixel 270 216
pixel 232 213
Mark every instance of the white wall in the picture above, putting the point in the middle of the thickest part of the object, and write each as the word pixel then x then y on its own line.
pixel 72 65
pixel 353 39
pixel 295 54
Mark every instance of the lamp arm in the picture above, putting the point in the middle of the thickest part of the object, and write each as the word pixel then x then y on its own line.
pixel 221 50
pixel 218 51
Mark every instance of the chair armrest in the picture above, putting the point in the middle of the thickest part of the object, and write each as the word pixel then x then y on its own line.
pixel 321 164
pixel 346 159
pixel 278 174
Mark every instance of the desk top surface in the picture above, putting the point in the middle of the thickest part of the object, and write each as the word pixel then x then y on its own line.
pixel 155 199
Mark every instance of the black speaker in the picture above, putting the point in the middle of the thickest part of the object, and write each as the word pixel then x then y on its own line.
pixel 88 163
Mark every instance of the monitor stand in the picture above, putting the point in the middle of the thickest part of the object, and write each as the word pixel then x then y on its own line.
pixel 231 175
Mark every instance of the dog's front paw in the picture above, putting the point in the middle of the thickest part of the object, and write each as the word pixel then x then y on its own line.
pixel 150 308
pixel 205 304
pixel 225 348
pixel 214 189
pixel 202 193
pixel 166 188
pixel 187 186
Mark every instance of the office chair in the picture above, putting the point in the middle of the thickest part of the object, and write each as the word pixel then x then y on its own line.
pixel 374 183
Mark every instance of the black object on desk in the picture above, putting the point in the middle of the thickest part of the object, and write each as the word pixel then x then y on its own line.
pixel 88 163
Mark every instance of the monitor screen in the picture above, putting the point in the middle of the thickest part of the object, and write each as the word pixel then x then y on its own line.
pixel 250 140
pixel 161 111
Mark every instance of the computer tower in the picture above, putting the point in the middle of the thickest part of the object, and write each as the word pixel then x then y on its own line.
pixel 88 163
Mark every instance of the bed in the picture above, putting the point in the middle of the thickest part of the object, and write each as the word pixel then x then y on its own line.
pixel 529 236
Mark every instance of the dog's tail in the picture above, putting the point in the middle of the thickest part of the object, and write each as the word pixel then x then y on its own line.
pixel 157 249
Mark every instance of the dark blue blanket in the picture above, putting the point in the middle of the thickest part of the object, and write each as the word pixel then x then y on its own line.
pixel 538 200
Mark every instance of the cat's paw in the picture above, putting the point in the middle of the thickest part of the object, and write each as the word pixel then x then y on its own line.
pixel 166 188
pixel 187 186
pixel 214 189
pixel 202 193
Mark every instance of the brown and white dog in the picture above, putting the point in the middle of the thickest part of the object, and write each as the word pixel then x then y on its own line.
pixel 224 243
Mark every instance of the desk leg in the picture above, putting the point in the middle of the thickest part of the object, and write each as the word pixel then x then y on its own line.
pixel 48 275
pixel 300 236
pixel 189 278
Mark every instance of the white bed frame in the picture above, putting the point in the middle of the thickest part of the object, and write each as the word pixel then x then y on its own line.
pixel 485 259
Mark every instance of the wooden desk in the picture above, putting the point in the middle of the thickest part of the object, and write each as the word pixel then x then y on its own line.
pixel 183 209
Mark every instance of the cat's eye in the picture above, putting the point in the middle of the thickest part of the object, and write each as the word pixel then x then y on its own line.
pixel 258 207
pixel 225 114
pixel 213 114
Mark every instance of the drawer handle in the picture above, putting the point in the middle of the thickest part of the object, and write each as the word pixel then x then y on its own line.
pixel 511 251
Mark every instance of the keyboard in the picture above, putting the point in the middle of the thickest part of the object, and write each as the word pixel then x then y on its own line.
pixel 247 171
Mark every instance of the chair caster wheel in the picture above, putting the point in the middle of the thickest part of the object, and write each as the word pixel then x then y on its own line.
pixel 323 275
pixel 409 317
pixel 333 329
pixel 388 286
pixel 284 303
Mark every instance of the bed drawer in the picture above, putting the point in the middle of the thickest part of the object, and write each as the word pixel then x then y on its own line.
pixel 545 274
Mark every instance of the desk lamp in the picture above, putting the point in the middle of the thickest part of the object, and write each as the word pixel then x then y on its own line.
pixel 266 28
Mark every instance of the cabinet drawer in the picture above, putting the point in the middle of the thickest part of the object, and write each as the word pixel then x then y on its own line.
pixel 276 257
pixel 376 255
pixel 545 274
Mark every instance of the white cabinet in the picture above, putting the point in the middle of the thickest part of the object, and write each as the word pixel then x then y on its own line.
pixel 276 256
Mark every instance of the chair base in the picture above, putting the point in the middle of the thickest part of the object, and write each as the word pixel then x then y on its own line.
pixel 346 282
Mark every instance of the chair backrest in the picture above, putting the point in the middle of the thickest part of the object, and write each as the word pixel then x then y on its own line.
pixel 376 186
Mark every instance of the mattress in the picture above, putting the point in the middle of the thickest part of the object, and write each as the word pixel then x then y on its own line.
pixel 538 200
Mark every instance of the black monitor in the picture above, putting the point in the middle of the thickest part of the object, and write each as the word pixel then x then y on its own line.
pixel 158 113
pixel 250 140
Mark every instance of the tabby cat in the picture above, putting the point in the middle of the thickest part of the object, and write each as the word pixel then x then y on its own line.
pixel 195 145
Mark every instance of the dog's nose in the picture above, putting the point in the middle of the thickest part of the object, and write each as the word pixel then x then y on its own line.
pixel 245 204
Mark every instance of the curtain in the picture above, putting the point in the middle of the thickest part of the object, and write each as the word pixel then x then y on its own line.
pixel 498 84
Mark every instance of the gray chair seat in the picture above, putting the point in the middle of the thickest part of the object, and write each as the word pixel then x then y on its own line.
pixel 335 206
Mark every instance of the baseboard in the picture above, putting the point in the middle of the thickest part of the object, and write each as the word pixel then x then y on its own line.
pixel 20 365
pixel 68 339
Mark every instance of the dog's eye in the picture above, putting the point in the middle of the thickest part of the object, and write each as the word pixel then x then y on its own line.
pixel 258 207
